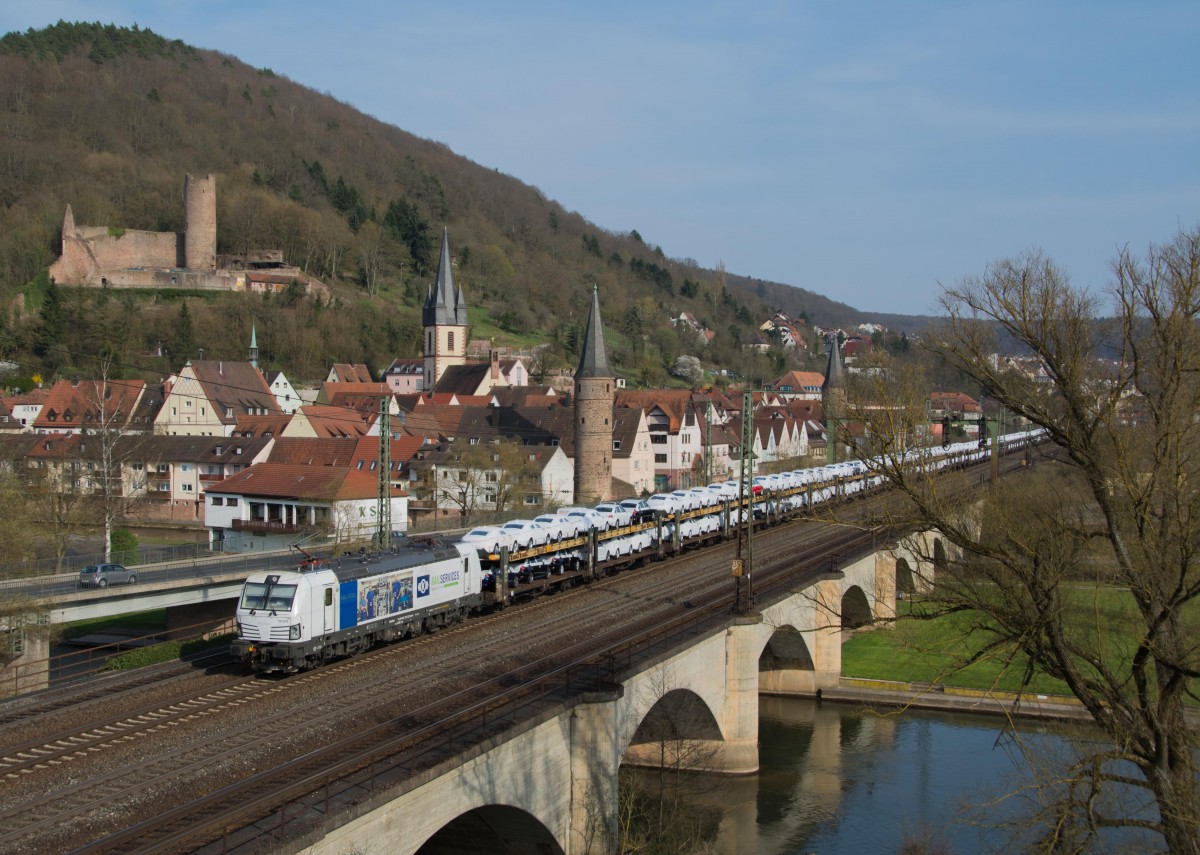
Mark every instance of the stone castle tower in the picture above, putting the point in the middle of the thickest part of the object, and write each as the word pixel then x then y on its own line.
pixel 200 222
pixel 833 400
pixel 444 317
pixel 594 382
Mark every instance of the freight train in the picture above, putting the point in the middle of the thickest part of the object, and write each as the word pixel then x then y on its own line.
pixel 289 621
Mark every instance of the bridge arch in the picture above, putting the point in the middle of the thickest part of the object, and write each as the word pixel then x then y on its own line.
pixel 940 559
pixel 678 731
pixel 493 828
pixel 787 664
pixel 906 583
pixel 856 609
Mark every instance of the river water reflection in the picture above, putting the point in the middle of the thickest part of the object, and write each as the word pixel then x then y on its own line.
pixel 837 778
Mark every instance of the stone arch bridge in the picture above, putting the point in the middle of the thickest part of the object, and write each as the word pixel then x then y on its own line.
pixel 551 785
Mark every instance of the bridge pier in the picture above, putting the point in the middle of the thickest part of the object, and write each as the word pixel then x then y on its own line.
pixel 737 754
pixel 595 758
pixel 211 617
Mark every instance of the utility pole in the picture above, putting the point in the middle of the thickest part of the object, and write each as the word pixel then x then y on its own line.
pixel 383 505
pixel 743 596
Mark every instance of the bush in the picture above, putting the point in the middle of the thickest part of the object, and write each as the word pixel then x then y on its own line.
pixel 124 545
pixel 166 652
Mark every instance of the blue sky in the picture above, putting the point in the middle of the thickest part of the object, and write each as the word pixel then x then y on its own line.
pixel 865 151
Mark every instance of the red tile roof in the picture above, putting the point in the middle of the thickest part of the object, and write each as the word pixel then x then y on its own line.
pixel 294 481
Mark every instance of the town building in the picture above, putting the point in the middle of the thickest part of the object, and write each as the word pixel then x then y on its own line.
pixel 207 398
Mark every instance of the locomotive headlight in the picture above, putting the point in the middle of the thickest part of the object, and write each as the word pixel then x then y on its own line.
pixel 294 632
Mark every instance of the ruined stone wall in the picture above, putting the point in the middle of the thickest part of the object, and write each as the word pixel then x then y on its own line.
pixel 90 254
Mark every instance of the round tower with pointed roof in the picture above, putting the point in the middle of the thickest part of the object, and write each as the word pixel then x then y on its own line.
pixel 444 317
pixel 833 400
pixel 594 390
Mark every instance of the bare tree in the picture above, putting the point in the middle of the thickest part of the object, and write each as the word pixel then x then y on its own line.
pixel 60 508
pixel 1115 507
pixel 108 449
pixel 16 531
pixel 660 802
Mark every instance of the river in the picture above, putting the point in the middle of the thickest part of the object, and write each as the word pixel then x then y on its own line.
pixel 837 778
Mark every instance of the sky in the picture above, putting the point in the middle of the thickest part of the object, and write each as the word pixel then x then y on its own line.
pixel 872 152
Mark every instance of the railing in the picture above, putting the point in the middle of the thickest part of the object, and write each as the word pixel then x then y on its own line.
pixel 74 563
pixel 79 665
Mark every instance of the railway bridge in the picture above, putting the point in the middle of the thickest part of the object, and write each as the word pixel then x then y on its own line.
pixel 549 784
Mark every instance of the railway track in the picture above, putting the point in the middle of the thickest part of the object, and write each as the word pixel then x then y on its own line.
pixel 408 738
pixel 49 812
pixel 424 736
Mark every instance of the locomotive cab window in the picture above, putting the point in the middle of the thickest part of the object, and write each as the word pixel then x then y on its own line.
pixel 329 596
pixel 264 595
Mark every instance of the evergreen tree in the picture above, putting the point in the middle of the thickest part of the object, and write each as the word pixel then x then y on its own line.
pixel 53 328
pixel 185 336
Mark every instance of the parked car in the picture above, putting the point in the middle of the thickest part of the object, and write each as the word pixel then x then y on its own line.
pixel 687 499
pixel 526 533
pixel 560 526
pixel 103 575
pixel 489 538
pixel 615 515
pixel 665 502
pixel 588 517
pixel 641 511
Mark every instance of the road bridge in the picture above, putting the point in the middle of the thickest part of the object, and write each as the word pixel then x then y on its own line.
pixel 550 783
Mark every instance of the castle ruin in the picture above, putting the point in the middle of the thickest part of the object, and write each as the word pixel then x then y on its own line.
pixel 109 257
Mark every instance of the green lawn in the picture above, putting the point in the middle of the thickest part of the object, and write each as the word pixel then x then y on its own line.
pixel 929 650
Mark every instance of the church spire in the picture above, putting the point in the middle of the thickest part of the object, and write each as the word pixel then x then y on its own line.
pixel 593 361
pixel 445 304
pixel 253 346
pixel 834 371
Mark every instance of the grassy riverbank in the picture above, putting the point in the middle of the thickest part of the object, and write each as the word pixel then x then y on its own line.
pixel 932 651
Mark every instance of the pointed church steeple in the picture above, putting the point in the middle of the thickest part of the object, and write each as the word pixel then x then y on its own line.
pixel 835 372
pixel 833 401
pixel 445 303
pixel 593 360
pixel 253 346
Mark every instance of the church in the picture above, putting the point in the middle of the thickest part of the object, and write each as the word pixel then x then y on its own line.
pixel 446 368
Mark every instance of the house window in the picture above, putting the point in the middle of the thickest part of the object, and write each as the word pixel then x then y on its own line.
pixel 218 500
pixel 138 467
pixel 162 468
pixel 660 458
pixel 616 445
pixel 186 467
pixel 187 403
pixel 450 342
pixel 187 488
pixel 533 499
pixel 658 438
pixel 231 502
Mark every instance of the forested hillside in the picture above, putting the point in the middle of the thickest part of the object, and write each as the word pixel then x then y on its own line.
pixel 110 119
